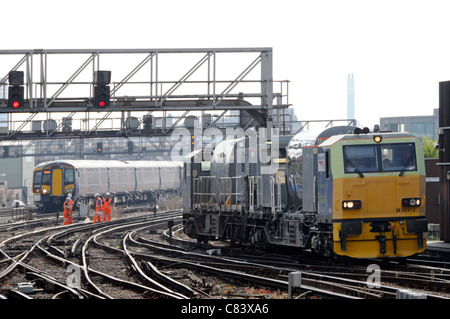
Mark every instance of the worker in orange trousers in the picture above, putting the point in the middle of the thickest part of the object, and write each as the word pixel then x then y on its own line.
pixel 98 209
pixel 68 207
pixel 107 207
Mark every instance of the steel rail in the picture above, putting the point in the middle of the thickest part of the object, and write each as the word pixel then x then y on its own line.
pixel 94 238
pixel 58 255
pixel 148 267
pixel 318 278
pixel 143 275
pixel 36 272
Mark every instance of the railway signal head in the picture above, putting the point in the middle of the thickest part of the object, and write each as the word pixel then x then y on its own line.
pixel 99 148
pixel 101 96
pixel 15 78
pixel 15 90
pixel 130 146
pixel 102 90
pixel 15 97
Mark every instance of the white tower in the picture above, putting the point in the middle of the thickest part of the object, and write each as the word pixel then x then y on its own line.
pixel 350 97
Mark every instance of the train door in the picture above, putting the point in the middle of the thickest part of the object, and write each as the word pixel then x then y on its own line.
pixel 190 172
pixel 37 178
pixel 57 189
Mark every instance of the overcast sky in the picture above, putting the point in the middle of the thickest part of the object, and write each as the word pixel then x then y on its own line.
pixel 398 51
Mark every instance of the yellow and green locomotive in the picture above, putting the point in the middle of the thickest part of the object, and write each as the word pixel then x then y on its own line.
pixel 372 190
pixel 359 194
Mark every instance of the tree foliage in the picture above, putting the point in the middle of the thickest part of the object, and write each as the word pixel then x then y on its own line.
pixel 429 148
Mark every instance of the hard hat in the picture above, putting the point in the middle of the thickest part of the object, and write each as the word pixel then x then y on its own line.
pixel 107 194
pixel 96 195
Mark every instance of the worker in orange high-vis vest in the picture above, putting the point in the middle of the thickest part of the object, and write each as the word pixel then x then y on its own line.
pixel 68 207
pixel 107 208
pixel 98 209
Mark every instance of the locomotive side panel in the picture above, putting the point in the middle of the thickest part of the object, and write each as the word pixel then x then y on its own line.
pixel 325 186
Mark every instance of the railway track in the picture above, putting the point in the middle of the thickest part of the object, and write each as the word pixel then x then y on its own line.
pixel 73 247
pixel 127 259
pixel 432 282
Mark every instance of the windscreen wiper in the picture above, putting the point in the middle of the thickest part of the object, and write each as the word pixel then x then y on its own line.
pixel 406 166
pixel 356 168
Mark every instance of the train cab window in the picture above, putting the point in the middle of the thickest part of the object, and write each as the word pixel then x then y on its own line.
pixel 37 177
pixel 380 158
pixel 46 177
pixel 69 176
pixel 360 158
pixel 398 157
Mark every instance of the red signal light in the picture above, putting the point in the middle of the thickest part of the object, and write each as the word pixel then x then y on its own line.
pixel 15 96
pixel 102 103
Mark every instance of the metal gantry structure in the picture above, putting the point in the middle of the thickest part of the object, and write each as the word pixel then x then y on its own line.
pixel 150 93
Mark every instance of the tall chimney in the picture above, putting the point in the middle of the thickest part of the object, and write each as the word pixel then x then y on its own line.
pixel 350 97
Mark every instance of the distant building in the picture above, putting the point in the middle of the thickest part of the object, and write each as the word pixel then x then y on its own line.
pixel 17 171
pixel 417 125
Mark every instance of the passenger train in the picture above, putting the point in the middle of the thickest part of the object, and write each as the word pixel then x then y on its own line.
pixel 128 182
pixel 340 191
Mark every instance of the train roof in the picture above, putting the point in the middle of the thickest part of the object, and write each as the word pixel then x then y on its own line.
pixel 155 163
pixel 111 163
pixel 313 137
pixel 336 138
pixel 40 165
pixel 87 163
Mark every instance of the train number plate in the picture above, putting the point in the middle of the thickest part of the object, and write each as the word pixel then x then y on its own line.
pixel 405 210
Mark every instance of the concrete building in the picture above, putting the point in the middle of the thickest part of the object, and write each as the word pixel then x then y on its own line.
pixel 18 173
pixel 417 125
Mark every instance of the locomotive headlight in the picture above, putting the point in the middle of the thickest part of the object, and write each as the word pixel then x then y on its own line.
pixel 351 204
pixel 377 139
pixel 411 202
pixel 44 191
